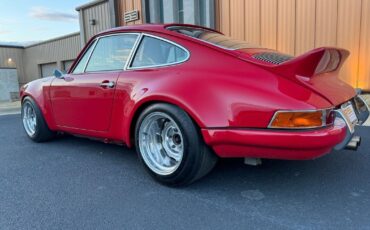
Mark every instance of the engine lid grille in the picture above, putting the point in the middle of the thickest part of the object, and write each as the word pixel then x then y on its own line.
pixel 274 58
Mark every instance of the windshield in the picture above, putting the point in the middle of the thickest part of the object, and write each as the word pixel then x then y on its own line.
pixel 214 38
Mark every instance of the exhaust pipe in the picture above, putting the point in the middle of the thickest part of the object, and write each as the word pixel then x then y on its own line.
pixel 357 139
pixel 354 143
pixel 252 161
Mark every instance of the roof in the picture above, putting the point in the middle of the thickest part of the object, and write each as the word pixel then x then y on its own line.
pixel 54 39
pixel 11 46
pixel 161 28
pixel 90 4
pixel 40 43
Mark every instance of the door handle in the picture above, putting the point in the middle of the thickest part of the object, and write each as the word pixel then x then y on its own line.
pixel 107 84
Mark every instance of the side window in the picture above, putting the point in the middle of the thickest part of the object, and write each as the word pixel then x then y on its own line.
pixel 80 68
pixel 111 53
pixel 154 52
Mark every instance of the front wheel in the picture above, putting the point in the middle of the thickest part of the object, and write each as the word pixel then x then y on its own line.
pixel 34 123
pixel 170 146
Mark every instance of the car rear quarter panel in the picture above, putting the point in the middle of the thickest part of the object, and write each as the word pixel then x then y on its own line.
pixel 215 89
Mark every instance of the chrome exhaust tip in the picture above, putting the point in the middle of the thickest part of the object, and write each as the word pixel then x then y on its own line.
pixel 357 139
pixel 354 143
pixel 252 161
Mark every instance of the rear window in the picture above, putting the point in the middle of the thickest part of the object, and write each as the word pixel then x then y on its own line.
pixel 213 38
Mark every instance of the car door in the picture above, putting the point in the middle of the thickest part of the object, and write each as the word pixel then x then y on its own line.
pixel 83 99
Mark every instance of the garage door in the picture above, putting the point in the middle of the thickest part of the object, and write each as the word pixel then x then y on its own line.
pixel 47 70
pixel 9 86
pixel 67 65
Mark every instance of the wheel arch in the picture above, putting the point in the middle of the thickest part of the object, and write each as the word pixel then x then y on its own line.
pixel 43 103
pixel 145 103
pixel 24 96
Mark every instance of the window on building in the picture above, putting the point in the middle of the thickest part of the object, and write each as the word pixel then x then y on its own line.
pixel 156 52
pixel 181 11
pixel 111 53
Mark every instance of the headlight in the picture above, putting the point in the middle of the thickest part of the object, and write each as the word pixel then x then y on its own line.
pixel 302 119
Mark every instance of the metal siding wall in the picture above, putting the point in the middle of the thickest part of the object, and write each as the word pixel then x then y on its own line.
pixel 364 62
pixel 286 26
pixel 237 19
pixel 296 26
pixel 269 23
pixel 53 51
pixel 305 25
pixel 224 22
pixel 349 21
pixel 326 23
pixel 252 21
pixel 101 14
pixel 16 54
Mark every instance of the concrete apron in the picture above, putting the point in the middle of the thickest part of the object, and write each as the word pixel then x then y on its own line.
pixel 7 108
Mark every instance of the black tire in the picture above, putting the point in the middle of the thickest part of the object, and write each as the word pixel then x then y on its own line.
pixel 198 159
pixel 42 132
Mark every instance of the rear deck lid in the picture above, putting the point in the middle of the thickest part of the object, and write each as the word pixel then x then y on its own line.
pixel 317 70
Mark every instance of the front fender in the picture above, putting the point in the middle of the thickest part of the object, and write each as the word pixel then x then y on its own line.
pixel 38 90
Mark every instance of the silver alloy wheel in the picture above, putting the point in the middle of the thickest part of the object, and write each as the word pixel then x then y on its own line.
pixel 161 143
pixel 29 119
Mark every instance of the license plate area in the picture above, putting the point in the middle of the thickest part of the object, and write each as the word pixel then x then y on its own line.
pixel 349 114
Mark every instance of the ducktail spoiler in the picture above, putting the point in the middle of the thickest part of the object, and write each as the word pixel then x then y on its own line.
pixel 312 63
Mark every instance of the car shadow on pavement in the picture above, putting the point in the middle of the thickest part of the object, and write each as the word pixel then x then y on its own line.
pixel 316 176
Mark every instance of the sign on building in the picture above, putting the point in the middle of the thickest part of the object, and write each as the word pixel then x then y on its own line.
pixel 131 16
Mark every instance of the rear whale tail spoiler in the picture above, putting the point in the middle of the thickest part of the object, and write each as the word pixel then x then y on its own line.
pixel 314 62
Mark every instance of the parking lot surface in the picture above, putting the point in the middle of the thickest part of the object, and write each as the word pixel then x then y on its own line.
pixel 75 183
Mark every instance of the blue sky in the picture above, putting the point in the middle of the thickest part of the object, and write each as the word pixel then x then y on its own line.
pixel 24 21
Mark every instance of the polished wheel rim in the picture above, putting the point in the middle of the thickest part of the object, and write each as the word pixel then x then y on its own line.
pixel 161 143
pixel 29 119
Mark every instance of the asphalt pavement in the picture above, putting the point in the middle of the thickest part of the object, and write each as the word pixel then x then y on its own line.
pixel 75 183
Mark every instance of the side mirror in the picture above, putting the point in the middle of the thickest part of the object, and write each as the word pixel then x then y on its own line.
pixel 58 74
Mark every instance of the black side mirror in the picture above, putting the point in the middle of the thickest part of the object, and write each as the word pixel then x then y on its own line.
pixel 58 74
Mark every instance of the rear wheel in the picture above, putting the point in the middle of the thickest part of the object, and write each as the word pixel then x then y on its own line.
pixel 170 146
pixel 34 123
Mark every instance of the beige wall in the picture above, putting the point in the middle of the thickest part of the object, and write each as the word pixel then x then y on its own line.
pixel 16 56
pixel 296 26
pixel 56 50
pixel 100 12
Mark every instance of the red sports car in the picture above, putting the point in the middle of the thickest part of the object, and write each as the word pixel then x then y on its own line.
pixel 185 95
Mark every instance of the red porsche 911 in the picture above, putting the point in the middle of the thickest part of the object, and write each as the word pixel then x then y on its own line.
pixel 185 95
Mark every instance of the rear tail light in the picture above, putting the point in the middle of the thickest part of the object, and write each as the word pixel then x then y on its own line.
pixel 302 119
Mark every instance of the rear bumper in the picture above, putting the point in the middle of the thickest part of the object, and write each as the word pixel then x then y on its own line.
pixel 284 144
pixel 275 144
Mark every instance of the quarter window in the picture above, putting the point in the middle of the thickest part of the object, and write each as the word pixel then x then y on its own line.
pixel 111 53
pixel 156 52
pixel 80 68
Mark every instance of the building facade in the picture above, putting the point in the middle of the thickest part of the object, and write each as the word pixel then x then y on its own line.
pixel 19 65
pixel 290 26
